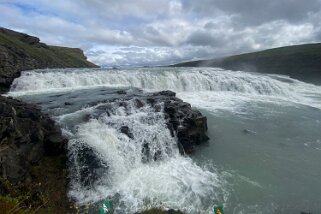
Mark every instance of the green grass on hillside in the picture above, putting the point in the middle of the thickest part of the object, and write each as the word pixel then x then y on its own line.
pixel 53 56
pixel 299 61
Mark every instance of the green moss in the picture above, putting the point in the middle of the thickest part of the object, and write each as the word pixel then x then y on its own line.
pixel 13 205
pixel 3 90
pixel 46 193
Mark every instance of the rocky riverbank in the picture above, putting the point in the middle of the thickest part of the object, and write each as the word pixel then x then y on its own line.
pixel 33 175
pixel 32 159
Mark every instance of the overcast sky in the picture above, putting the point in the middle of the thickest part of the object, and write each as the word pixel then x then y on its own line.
pixel 157 32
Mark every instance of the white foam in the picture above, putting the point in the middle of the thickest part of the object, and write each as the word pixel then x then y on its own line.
pixel 225 86
pixel 172 182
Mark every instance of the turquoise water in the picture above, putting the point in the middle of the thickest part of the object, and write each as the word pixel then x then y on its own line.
pixel 273 168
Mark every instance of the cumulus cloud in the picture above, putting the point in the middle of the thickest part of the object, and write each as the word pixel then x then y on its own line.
pixel 150 32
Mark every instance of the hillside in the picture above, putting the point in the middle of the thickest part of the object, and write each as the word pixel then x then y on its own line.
pixel 301 62
pixel 20 52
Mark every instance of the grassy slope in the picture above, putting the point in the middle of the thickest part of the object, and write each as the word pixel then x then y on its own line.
pixel 299 61
pixel 52 56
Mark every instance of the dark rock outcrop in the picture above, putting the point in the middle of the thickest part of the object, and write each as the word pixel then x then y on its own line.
pixel 91 168
pixel 26 135
pixel 32 155
pixel 32 149
pixel 159 211
pixel 189 125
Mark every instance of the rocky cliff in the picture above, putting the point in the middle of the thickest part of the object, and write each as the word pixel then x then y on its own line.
pixel 19 52
pixel 32 150
pixel 32 159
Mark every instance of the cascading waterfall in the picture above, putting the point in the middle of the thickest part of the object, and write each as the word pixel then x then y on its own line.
pixel 144 169
pixel 216 87
pixel 177 80
pixel 141 167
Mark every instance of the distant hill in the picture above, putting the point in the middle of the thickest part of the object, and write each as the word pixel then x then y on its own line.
pixel 301 62
pixel 19 51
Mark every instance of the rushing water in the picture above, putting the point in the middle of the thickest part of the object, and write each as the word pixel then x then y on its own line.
pixel 264 155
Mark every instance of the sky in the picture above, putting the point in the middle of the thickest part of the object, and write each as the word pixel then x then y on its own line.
pixel 161 32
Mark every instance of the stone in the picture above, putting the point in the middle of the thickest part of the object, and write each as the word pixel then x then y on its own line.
pixel 165 93
pixel 91 167
pixel 26 136
pixel 125 130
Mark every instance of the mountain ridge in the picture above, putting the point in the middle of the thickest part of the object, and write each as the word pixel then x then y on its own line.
pixel 301 62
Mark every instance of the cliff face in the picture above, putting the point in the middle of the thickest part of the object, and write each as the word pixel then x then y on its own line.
pixel 301 62
pixel 32 160
pixel 19 52
pixel 32 150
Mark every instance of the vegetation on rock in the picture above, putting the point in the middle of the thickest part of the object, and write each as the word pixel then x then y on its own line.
pixel 19 52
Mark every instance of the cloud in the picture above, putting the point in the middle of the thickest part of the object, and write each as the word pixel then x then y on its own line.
pixel 253 12
pixel 151 32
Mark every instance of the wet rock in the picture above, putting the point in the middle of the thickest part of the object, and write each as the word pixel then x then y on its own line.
pixel 54 143
pixel 125 130
pixel 158 155
pixel 145 153
pixel 165 93
pixel 68 103
pixel 121 92
pixel 247 131
pixel 188 124
pixel 90 167
pixel 151 101
pixel 139 103
pixel 26 136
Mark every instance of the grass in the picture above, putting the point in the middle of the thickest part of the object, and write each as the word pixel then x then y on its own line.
pixel 300 61
pixel 13 205
pixel 52 56
pixel 46 193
